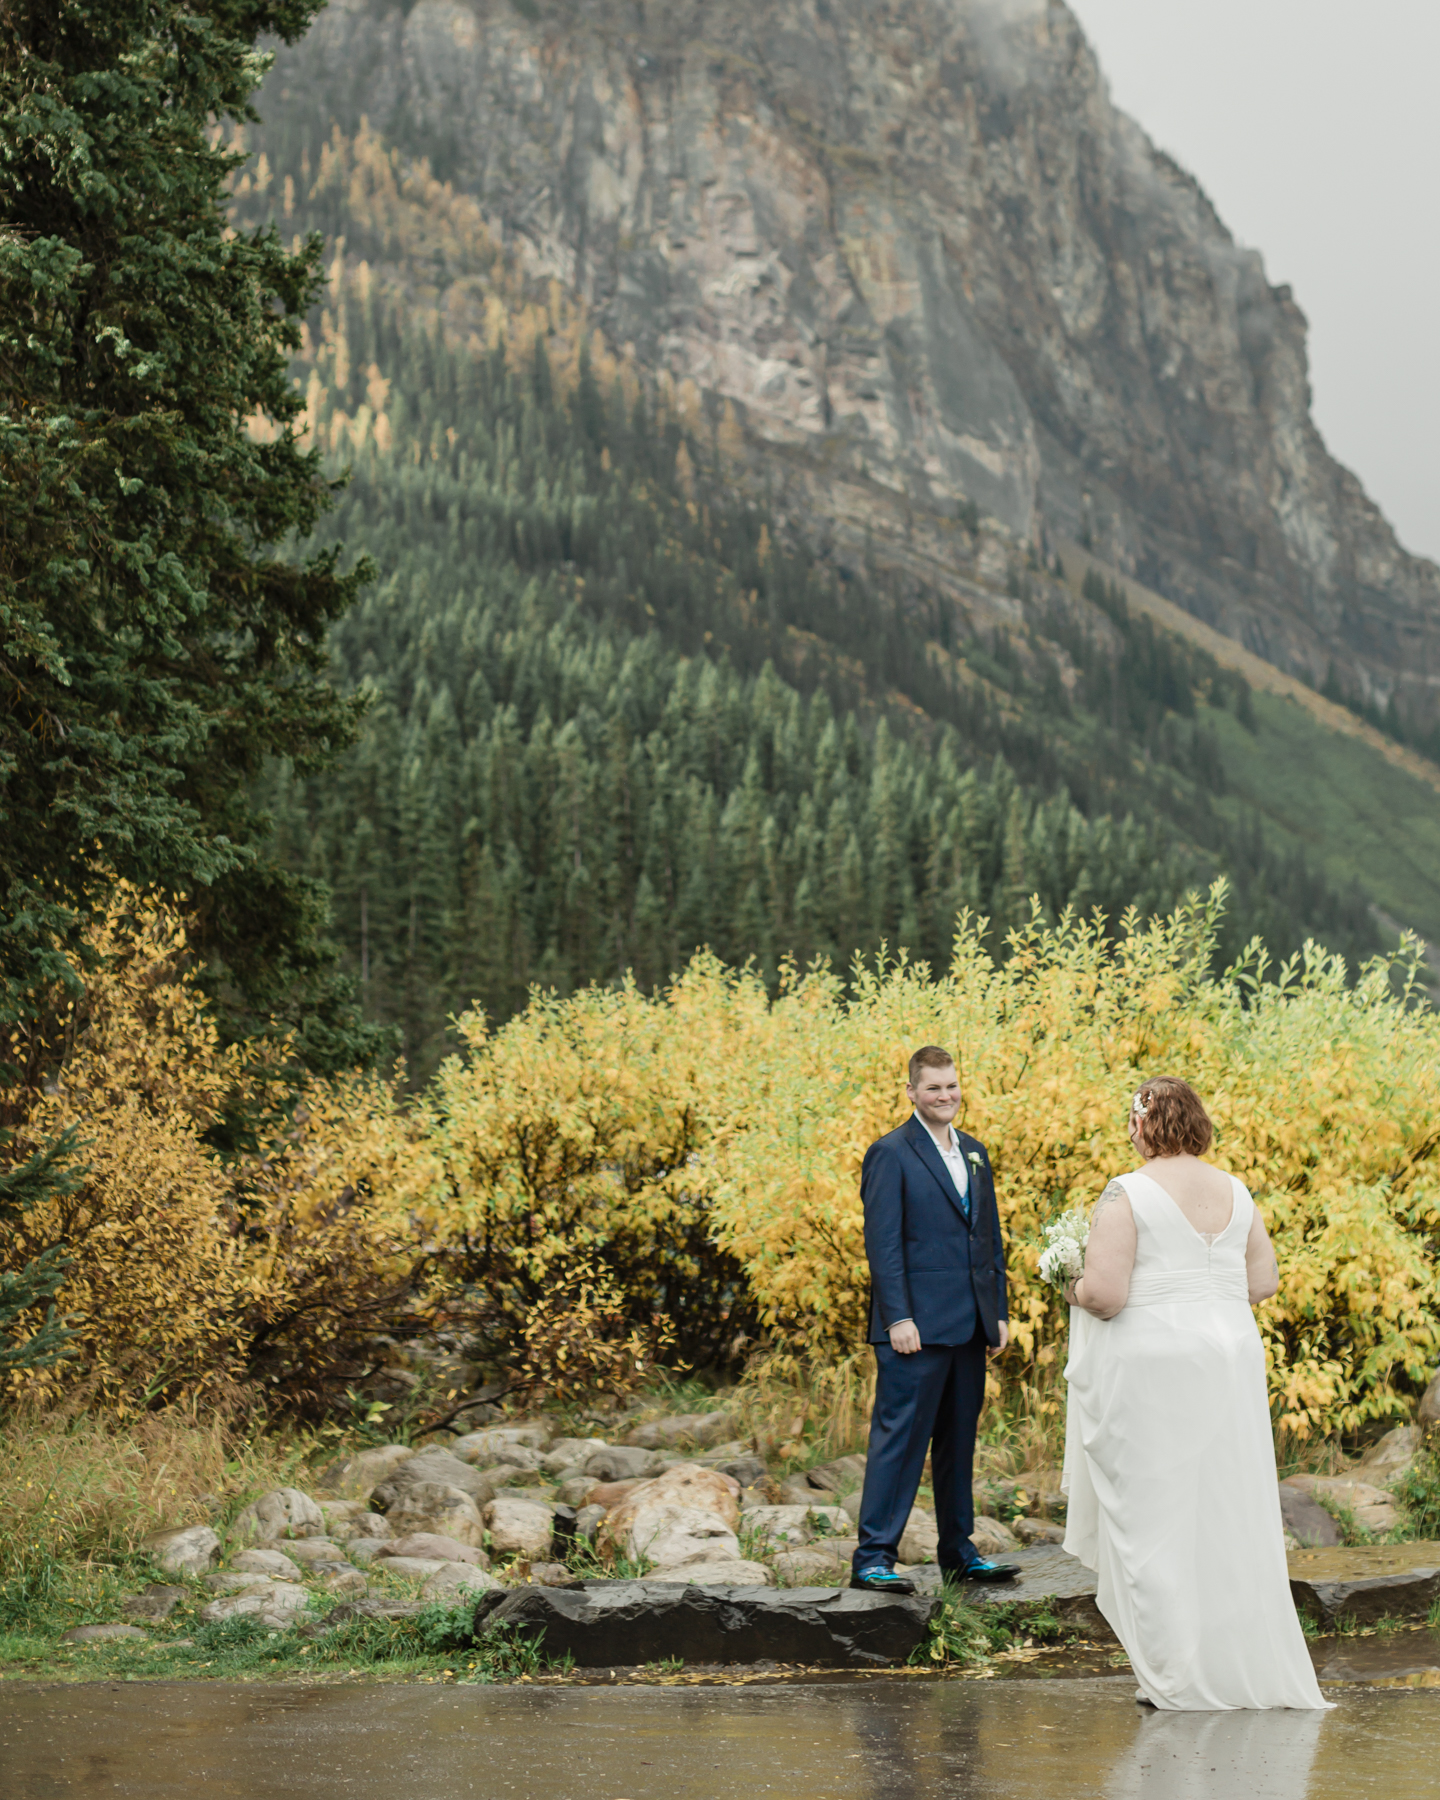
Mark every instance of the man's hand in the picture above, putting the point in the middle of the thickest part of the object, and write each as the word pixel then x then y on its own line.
pixel 995 1349
pixel 905 1337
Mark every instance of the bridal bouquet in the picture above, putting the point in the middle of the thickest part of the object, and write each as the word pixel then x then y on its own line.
pixel 1063 1258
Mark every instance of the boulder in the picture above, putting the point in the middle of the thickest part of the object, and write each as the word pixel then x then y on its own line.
pixel 570 1453
pixel 430 1543
pixel 813 1563
pixel 604 1623
pixel 683 1430
pixel 505 1459
pixel 311 1550
pixel 617 1463
pixel 609 1493
pixel 576 1491
pixel 1042 1488
pixel 428 1467
pixel 283 1513
pixel 456 1580
pixel 476 1446
pixel 1380 1518
pixel 436 1508
pixel 840 1477
pixel 778 1524
pixel 275 1604
pixel 519 1527
pixel 356 1477
pixel 588 1522
pixel 228 1581
pixel 266 1562
pixel 1391 1456
pixel 552 1574
pixel 1064 1585
pixel 104 1634
pixel 157 1602
pixel 1038 1531
pixel 1305 1518
pixel 410 1568
pixel 677 1515
pixel 921 1539
pixel 746 1469
pixel 190 1550
pixel 991 1538
pixel 1367 1583
pixel 365 1550
pixel 1346 1491
pixel 342 1579
pixel 1428 1416
pixel 715 1568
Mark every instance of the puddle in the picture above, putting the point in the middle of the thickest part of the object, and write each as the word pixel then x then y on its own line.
pixel 886 1740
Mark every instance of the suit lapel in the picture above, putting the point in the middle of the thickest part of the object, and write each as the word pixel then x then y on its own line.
pixel 923 1145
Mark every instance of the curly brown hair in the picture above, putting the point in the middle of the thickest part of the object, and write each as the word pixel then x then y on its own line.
pixel 1174 1121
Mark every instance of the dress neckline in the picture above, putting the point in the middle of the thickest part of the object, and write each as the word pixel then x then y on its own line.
pixel 1211 1239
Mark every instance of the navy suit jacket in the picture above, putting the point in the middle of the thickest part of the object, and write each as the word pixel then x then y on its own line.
pixel 927 1261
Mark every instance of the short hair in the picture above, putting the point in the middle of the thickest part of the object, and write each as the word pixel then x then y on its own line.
pixel 1175 1121
pixel 929 1056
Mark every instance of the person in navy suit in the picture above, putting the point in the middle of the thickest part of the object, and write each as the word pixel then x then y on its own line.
pixel 937 1308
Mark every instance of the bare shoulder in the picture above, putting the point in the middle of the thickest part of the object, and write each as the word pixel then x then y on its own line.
pixel 1115 1202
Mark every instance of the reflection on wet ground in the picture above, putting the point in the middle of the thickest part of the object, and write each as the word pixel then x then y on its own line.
pixel 975 1740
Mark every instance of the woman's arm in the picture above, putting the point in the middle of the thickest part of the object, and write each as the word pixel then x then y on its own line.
pixel 1262 1270
pixel 1109 1255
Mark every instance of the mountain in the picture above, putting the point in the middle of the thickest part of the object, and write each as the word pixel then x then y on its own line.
pixel 662 656
pixel 928 264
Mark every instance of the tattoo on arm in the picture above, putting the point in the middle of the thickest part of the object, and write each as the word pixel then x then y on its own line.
pixel 1115 1190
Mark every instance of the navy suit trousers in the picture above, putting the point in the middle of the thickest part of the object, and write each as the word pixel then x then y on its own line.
pixel 936 1392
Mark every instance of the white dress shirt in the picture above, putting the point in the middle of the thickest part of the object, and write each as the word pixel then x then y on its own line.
pixel 955 1163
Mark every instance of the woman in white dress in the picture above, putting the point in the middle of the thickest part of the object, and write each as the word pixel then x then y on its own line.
pixel 1169 1458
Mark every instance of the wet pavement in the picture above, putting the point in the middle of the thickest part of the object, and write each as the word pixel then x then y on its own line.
pixel 874 1739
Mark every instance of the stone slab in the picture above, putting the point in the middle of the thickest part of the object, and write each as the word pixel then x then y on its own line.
pixel 619 1622
pixel 1047 1575
pixel 1366 1583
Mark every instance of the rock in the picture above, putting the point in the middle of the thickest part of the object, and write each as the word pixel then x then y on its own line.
pixel 1340 1490
pixel 341 1578
pixel 311 1550
pixel 850 1506
pixel 715 1568
pixel 502 1462
pixel 1379 1518
pixel 570 1453
pixel 991 1538
pixel 552 1574
pixel 104 1634
pixel 365 1525
pixel 684 1430
pixel 477 1445
pixel 226 1581
pixel 747 1469
pixel 190 1550
pixel 266 1562
pixel 1366 1583
pixel 454 1580
pixel 617 1463
pixel 608 1622
pixel 841 1477
pixel 1305 1519
pixel 436 1508
pixel 430 1543
pixel 344 1518
pixel 522 1527
pixel 435 1466
pixel 157 1602
pixel 369 1608
pixel 1428 1415
pixel 1047 1574
pixel 365 1550
pixel 1038 1531
pixel 275 1604
pixel 358 1476
pixel 609 1493
pixel 576 1491
pixel 410 1568
pixel 283 1513
pixel 1391 1456
pixel 921 1539
pixel 588 1522
pixel 677 1515
pixel 814 1563
pixel 779 1524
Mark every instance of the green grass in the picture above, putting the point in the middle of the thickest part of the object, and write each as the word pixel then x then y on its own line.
pixel 1360 818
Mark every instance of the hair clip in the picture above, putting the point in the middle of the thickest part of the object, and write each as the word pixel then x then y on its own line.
pixel 1138 1105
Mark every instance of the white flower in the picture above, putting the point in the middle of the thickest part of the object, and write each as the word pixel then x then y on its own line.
pixel 1063 1258
pixel 976 1158
pixel 1138 1105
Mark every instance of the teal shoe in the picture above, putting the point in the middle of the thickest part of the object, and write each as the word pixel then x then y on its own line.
pixel 877 1579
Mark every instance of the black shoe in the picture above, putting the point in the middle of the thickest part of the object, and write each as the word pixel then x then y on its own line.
pixel 880 1580
pixel 980 1570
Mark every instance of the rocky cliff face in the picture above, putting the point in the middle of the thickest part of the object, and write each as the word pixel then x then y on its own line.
pixel 927 261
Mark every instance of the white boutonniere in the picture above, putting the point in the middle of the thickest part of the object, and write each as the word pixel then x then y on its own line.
pixel 977 1159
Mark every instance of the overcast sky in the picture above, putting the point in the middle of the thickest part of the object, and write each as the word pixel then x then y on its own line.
pixel 1314 126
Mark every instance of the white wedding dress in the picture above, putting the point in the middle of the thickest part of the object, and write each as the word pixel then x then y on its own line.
pixel 1170 1472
